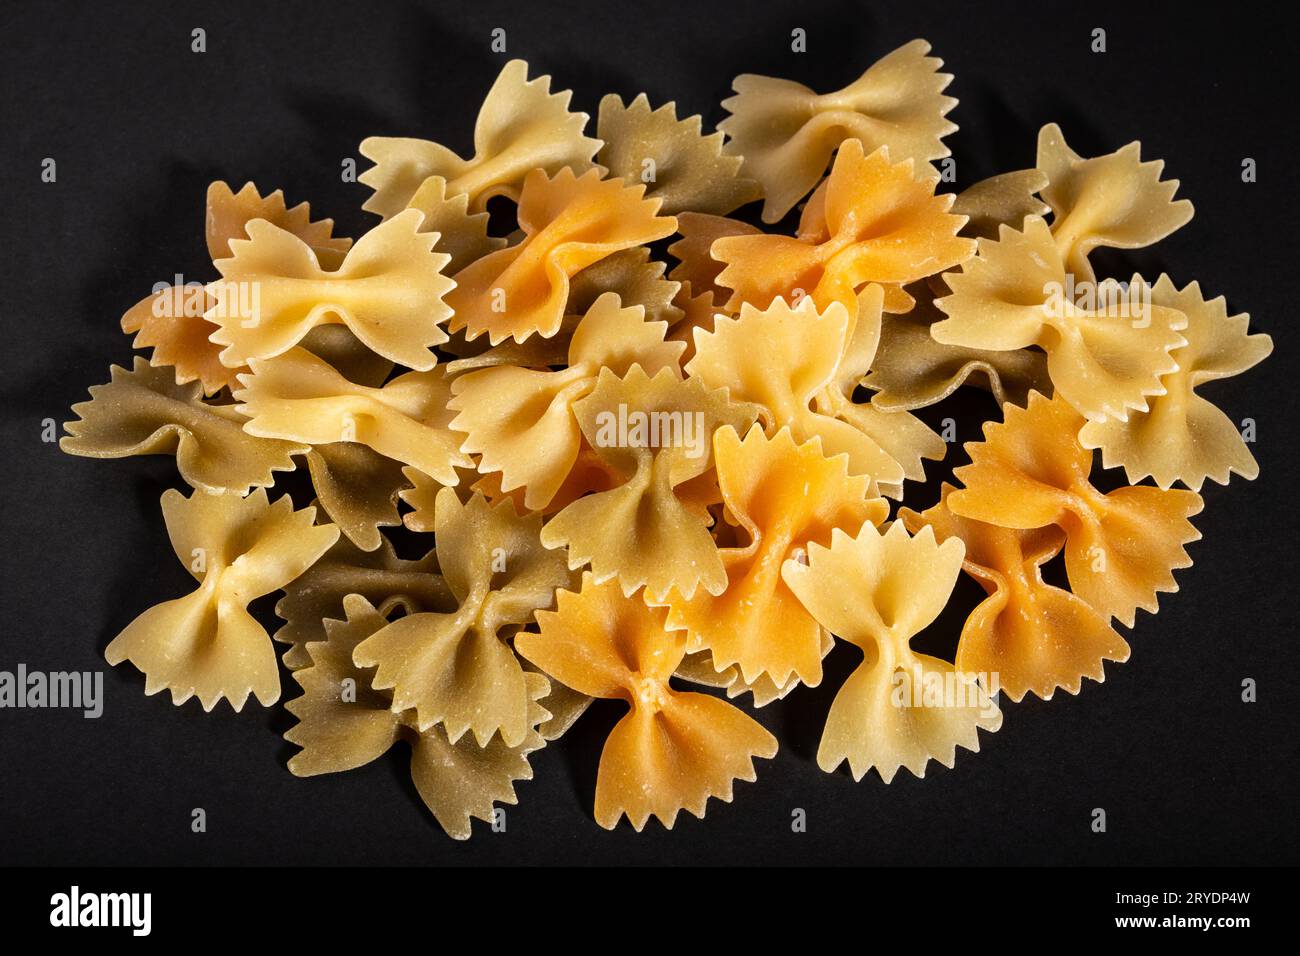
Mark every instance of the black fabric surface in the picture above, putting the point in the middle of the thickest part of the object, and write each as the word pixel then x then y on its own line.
pixel 139 125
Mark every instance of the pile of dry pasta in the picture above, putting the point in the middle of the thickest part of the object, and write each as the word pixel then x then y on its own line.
pixel 639 477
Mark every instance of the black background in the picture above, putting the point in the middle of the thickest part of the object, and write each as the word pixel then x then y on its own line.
pixel 139 125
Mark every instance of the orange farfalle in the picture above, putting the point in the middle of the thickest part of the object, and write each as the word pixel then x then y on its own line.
pixel 1121 548
pixel 784 496
pixel 884 224
pixel 569 222
pixel 674 749
pixel 1026 637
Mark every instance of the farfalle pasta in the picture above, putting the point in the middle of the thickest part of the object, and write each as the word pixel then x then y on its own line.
pixel 1034 637
pixel 1121 548
pixel 552 463
pixel 786 133
pixel 207 645
pixel 899 709
pixel 672 750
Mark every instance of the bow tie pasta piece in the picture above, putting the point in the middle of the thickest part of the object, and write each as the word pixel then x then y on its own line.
pixel 144 412
pixel 883 223
pixel 388 582
pixel 455 668
pixel 358 489
pixel 522 126
pixel 697 313
pixel 1027 636
pixel 910 370
pixel 521 420
pixel 229 213
pixel 672 750
pixel 1183 437
pixel 1106 353
pixel 899 708
pixel 682 166
pixel 207 645
pixel 462 235
pixel 569 223
pixel 388 291
pixel 1113 200
pixel 787 133
pixel 1121 548
pixel 784 496
pixel 794 369
pixel 300 395
pixel 459 782
pixel 649 530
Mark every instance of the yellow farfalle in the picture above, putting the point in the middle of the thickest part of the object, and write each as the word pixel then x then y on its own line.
pixel 793 379
pixel 388 291
pixel 458 781
pixel 898 708
pixel 144 412
pixel 520 421
pixel 672 750
pixel 1184 437
pixel 784 496
pixel 569 224
pixel 522 126
pixel 300 395
pixel 1121 548
pixel 1107 344
pixel 657 433
pixel 883 224
pixel 207 645
pixel 455 668
pixel 1114 200
pixel 390 583
pixel 1027 636
pixel 680 165
pixel 786 133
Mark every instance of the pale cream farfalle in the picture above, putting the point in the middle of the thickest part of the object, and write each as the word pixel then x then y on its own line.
pixel 344 722
pixel 522 126
pixel 406 419
pixel 388 291
pixel 1107 345
pixel 207 645
pixel 898 709
pixel 144 412
pixel 455 668
pixel 520 421
pixel 1183 437
pixel 1113 200
pixel 673 158
pixel 651 529
pixel 786 133
pixel 803 377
